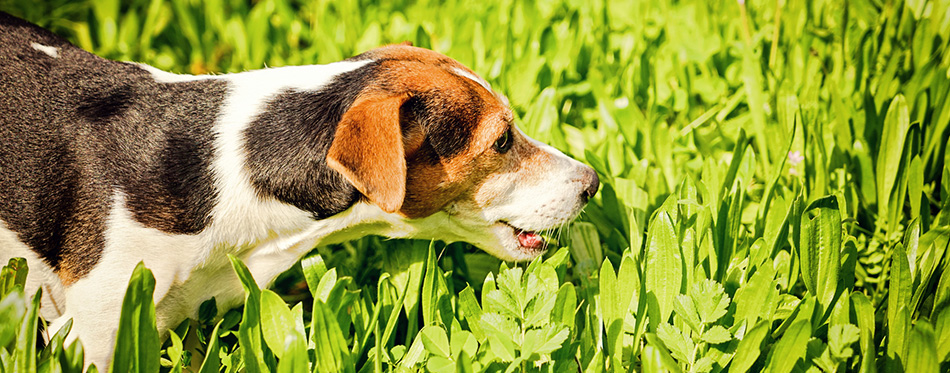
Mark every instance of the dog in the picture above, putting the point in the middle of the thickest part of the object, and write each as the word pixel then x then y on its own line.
pixel 105 164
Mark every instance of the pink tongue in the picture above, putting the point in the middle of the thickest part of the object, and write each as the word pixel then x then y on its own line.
pixel 530 240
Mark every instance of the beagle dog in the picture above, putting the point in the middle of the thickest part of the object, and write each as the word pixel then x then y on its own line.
pixel 106 164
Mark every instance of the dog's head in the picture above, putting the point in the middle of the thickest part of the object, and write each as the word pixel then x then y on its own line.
pixel 428 139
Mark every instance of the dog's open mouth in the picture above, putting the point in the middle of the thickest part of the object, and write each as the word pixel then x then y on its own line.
pixel 527 239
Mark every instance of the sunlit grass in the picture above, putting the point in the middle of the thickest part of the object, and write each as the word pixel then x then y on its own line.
pixel 773 189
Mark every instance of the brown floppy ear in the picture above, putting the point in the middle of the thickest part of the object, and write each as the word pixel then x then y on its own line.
pixel 368 150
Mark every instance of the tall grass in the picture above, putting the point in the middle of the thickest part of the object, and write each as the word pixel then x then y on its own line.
pixel 773 191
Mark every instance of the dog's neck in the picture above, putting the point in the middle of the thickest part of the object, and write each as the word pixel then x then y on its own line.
pixel 270 143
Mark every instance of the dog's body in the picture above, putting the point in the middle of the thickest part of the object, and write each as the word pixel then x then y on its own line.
pixel 104 164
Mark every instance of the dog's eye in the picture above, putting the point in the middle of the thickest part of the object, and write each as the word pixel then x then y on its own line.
pixel 504 142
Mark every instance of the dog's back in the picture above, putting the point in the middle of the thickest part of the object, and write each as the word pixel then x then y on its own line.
pixel 77 127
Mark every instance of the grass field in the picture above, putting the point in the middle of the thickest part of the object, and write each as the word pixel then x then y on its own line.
pixel 773 191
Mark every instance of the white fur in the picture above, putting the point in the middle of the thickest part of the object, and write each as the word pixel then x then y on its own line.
pixel 50 51
pixel 481 82
pixel 547 201
pixel 162 76
pixel 95 301
pixel 530 199
pixel 474 78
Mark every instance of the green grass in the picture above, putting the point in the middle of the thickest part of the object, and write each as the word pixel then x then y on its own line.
pixel 773 191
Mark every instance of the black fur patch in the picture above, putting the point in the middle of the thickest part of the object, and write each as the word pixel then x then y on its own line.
pixel 76 128
pixel 105 105
pixel 449 120
pixel 287 145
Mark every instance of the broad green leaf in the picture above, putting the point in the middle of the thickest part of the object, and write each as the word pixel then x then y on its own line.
pixel 497 324
pixel 864 314
pixel 896 126
pixel 13 306
pixel 820 249
pixel 277 322
pixel 313 270
pixel 921 353
pixel 440 364
pixel 613 311
pixel 898 330
pixel 464 364
pixel 502 347
pixel 565 306
pixel 508 298
pixel 328 282
pixel 55 350
pixel 463 342
pixel 703 365
pixel 436 341
pixel 663 270
pixel 898 301
pixel 915 186
pixel 473 312
pixel 256 352
pixel 436 307
pixel 542 300
pixel 931 248
pixel 585 244
pixel 790 347
pixel 24 359
pixel 212 361
pixel 175 351
pixel 628 282
pixel 407 265
pixel 942 335
pixel 738 152
pixel 750 346
pixel 637 202
pixel 331 350
pixel 207 311
pixel 596 363
pixel 651 359
pixel 757 298
pixel 137 344
pixel 295 357
pixel 559 262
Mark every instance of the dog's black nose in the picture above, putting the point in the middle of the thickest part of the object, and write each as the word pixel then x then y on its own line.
pixel 592 181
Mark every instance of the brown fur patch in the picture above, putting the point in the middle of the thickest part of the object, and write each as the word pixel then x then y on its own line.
pixel 447 124
pixel 368 150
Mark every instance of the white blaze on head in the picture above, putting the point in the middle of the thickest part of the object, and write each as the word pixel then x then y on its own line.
pixel 50 51
pixel 474 78
pixel 482 83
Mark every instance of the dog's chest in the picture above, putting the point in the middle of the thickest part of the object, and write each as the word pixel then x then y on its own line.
pixel 191 268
